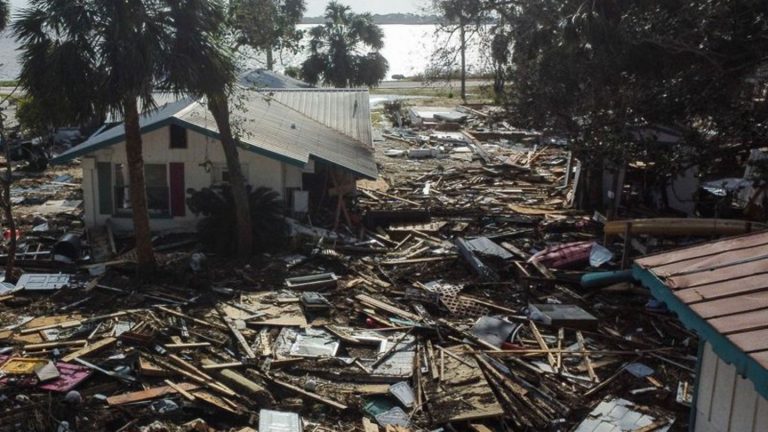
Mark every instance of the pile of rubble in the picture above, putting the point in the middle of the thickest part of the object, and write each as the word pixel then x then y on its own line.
pixel 473 298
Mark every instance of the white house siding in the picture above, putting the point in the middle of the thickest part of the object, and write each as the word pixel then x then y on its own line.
pixel 260 171
pixel 725 401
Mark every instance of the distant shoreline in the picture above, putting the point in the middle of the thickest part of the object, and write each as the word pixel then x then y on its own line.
pixel 391 19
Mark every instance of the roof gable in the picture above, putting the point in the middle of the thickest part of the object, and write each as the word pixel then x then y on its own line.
pixel 265 126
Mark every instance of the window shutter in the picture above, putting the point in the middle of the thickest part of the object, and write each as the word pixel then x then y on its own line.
pixel 104 180
pixel 178 194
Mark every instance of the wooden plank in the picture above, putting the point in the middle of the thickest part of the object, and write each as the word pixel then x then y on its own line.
pixel 730 274
pixel 722 401
pixel 733 305
pixel 703 250
pixel 152 393
pixel 744 405
pixel 191 318
pixel 235 332
pixel 179 346
pixel 90 349
pixel 725 257
pixel 585 356
pixel 215 366
pixel 740 323
pixel 179 390
pixel 313 396
pixel 543 344
pixel 372 302
pixel 46 345
pixel 728 288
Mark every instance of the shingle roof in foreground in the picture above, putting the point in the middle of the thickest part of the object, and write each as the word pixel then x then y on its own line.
pixel 720 290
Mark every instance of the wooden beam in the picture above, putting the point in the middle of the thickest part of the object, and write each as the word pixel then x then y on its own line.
pixel 90 349
pixel 148 394
pixel 310 395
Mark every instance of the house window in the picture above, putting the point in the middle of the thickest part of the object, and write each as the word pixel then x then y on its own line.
pixel 156 181
pixel 178 137
pixel 220 173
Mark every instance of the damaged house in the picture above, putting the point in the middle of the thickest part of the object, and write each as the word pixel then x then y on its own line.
pixel 299 142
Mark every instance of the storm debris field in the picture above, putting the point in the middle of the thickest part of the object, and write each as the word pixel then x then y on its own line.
pixel 469 295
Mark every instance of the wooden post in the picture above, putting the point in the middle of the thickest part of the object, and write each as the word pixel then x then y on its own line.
pixel 627 245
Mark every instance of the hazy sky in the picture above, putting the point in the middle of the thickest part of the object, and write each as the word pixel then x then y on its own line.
pixel 316 7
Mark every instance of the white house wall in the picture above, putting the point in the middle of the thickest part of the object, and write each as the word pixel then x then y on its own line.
pixel 725 401
pixel 259 171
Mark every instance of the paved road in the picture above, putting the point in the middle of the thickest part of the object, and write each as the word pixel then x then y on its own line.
pixel 436 84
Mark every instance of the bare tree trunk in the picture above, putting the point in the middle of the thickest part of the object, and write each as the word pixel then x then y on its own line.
pixel 462 32
pixel 219 107
pixel 10 222
pixel 137 188
pixel 270 58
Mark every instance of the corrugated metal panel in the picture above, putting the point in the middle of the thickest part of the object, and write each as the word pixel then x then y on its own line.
pixel 281 131
pixel 345 110
pixel 269 125
pixel 725 285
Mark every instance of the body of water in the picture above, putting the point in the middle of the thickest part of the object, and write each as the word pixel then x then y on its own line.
pixel 408 48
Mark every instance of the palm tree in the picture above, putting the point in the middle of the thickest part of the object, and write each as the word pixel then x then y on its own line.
pixel 95 56
pixel 198 63
pixel 267 25
pixel 344 51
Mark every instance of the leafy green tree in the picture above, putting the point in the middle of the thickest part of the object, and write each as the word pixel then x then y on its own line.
pixel 344 51
pixel 465 17
pixel 592 70
pixel 267 25
pixel 199 63
pixel 93 56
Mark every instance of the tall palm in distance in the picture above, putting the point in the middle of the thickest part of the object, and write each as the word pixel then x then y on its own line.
pixel 344 51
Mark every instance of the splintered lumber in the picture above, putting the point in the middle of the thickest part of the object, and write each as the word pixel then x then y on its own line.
pixel 42 346
pixel 187 345
pixel 506 382
pixel 235 332
pixel 463 394
pixel 372 302
pixel 254 390
pixel 89 349
pixel 543 345
pixel 148 368
pixel 195 375
pixel 191 318
pixel 587 360
pixel 152 393
pixel 216 401
pixel 672 227
pixel 61 325
pixel 180 390
pixel 215 366
pixel 313 396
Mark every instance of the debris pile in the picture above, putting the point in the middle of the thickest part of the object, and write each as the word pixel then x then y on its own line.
pixel 472 297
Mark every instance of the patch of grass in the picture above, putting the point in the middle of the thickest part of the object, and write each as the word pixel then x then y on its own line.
pixel 376 118
pixel 8 83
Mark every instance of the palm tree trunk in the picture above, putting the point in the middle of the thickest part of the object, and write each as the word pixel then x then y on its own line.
pixel 270 58
pixel 138 192
pixel 462 32
pixel 219 107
